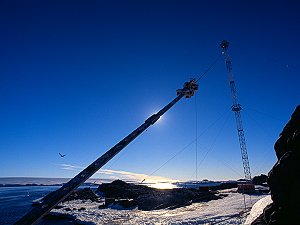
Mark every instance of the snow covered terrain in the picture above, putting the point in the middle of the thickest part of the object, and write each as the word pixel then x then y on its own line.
pixel 229 210
pixel 258 208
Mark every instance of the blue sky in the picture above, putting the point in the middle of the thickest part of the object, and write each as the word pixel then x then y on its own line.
pixel 77 76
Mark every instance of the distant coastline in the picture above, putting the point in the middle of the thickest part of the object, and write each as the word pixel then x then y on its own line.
pixel 40 181
pixel 29 185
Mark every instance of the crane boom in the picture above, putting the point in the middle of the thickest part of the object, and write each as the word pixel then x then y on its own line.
pixel 55 197
pixel 236 108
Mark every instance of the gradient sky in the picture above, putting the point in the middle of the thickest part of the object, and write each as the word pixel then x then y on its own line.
pixel 78 76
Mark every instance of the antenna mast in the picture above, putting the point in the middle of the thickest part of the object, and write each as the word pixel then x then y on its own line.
pixel 236 108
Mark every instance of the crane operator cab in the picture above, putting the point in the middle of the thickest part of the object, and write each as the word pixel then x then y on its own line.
pixel 189 88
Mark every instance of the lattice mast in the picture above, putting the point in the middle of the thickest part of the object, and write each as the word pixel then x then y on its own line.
pixel 236 108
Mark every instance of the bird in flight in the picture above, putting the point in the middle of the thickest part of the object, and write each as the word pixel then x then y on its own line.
pixel 61 155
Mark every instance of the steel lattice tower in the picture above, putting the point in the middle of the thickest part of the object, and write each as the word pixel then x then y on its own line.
pixel 236 108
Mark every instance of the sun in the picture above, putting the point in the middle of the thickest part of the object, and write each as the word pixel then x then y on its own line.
pixel 160 119
pixel 163 185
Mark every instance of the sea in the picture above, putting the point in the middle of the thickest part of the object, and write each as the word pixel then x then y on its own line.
pixel 17 201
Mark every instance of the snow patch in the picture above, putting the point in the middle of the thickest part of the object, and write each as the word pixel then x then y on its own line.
pixel 229 210
pixel 258 208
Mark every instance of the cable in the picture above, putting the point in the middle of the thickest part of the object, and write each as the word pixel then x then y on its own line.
pixel 118 157
pixel 196 115
pixel 204 73
pixel 214 142
pixel 210 67
pixel 228 165
pixel 215 139
pixel 267 151
pixel 188 145
pixel 265 114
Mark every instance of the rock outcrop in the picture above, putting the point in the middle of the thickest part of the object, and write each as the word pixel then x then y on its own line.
pixel 146 198
pixel 260 180
pixel 224 185
pixel 82 194
pixel 284 177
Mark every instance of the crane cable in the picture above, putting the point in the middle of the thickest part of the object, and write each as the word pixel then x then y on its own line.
pixel 204 73
pixel 209 68
pixel 196 131
pixel 267 151
pixel 196 112
pixel 196 140
pixel 222 115
pixel 214 140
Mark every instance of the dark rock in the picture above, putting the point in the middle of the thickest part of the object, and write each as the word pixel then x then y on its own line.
pixel 56 218
pixel 259 180
pixel 248 188
pixel 126 203
pixel 174 198
pixel 109 201
pixel 121 189
pixel 180 205
pixel 68 209
pixel 63 219
pixel 82 194
pixel 289 137
pixel 284 177
pixel 82 209
pixel 225 185
pixel 146 198
pixel 204 188
pixel 103 206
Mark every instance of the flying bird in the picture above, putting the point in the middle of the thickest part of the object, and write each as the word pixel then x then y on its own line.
pixel 61 155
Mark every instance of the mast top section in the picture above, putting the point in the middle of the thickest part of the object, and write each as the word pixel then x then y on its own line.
pixel 224 45
pixel 189 88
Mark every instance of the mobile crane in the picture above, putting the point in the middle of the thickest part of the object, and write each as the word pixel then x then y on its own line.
pixel 55 197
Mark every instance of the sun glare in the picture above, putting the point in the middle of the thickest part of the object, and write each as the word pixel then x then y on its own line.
pixel 163 185
pixel 160 119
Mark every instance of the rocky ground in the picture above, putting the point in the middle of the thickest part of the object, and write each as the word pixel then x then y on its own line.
pixel 226 210
pixel 125 203
pixel 146 198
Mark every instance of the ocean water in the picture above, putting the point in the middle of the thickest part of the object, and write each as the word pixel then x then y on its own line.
pixel 16 201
